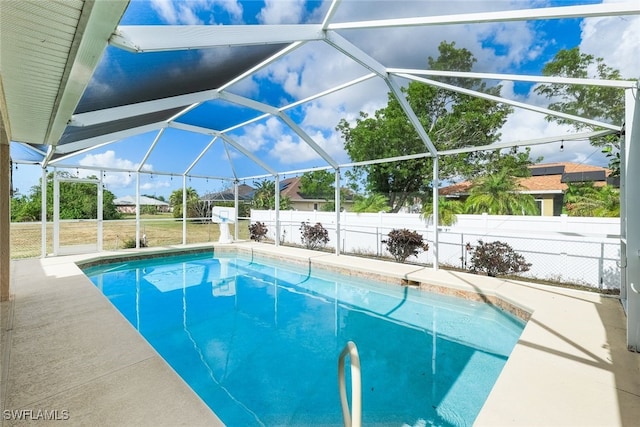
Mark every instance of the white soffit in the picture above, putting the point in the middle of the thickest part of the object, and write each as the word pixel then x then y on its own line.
pixel 48 51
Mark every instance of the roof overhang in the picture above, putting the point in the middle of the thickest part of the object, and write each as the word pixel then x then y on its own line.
pixel 49 51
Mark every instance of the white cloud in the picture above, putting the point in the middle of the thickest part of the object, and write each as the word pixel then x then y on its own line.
pixel 525 125
pixel 290 149
pixel 282 12
pixel 256 136
pixel 109 160
pixel 614 39
pixel 166 10
pixel 180 12
pixel 155 185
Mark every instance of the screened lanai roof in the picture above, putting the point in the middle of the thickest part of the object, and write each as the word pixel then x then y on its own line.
pixel 82 75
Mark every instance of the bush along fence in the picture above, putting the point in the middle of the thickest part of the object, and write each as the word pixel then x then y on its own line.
pixel 556 249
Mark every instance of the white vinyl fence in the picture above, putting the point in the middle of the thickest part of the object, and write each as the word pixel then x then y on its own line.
pixel 583 251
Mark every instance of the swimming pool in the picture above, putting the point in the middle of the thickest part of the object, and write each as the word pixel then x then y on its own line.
pixel 259 343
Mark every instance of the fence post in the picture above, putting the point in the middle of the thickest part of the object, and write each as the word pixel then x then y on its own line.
pixel 601 267
pixel 462 251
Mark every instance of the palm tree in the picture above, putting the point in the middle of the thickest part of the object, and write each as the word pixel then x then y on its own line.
pixel 175 200
pixel 587 200
pixel 497 194
pixel 373 203
pixel 264 197
pixel 448 209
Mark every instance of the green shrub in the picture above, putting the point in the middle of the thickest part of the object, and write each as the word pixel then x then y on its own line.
pixel 315 236
pixel 131 243
pixel 402 243
pixel 496 258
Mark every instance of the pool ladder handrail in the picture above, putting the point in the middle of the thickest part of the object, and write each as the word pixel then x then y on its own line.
pixel 351 418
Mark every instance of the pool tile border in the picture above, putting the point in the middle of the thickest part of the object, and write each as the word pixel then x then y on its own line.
pixel 316 260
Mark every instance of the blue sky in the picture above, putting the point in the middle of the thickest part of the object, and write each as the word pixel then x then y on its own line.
pixel 521 47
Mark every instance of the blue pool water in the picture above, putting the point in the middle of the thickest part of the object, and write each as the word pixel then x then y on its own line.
pixel 259 343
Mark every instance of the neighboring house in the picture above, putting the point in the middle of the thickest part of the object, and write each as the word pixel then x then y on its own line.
pixel 127 204
pixel 245 193
pixel 547 183
pixel 290 188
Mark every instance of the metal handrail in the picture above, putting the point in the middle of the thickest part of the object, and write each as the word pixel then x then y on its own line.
pixel 351 418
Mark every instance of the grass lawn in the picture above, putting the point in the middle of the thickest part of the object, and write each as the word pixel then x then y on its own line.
pixel 160 230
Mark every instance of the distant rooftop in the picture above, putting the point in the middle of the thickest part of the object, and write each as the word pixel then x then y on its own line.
pixel 144 201
pixel 547 177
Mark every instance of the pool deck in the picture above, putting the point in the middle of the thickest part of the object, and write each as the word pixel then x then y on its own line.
pixel 65 348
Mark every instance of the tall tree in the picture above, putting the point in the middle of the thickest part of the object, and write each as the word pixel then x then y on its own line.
pixel 78 200
pixel 318 185
pixel 451 119
pixel 497 194
pixel 593 102
pixel 515 162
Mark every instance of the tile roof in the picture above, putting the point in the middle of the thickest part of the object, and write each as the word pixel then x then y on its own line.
pixel 541 183
pixel 290 188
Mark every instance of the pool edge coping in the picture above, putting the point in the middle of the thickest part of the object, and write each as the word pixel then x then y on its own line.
pixel 544 303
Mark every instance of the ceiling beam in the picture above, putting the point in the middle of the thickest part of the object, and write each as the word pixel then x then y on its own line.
pixel 150 150
pixel 333 8
pixel 84 143
pixel 583 11
pixel 351 51
pixel 622 84
pixel 530 142
pixel 248 153
pixel 250 103
pixel 228 139
pixel 158 38
pixel 202 153
pixel 518 104
pixel 140 108
pixel 343 45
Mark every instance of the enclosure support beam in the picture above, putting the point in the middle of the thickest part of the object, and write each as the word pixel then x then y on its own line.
pixel 436 216
pixel 5 214
pixel 337 205
pixel 623 223
pixel 100 213
pixel 277 207
pixel 137 210
pixel 184 209
pixel 632 204
pixel 43 211
pixel 56 213
pixel 235 207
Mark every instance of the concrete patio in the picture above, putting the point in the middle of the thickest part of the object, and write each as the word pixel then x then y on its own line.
pixel 65 348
